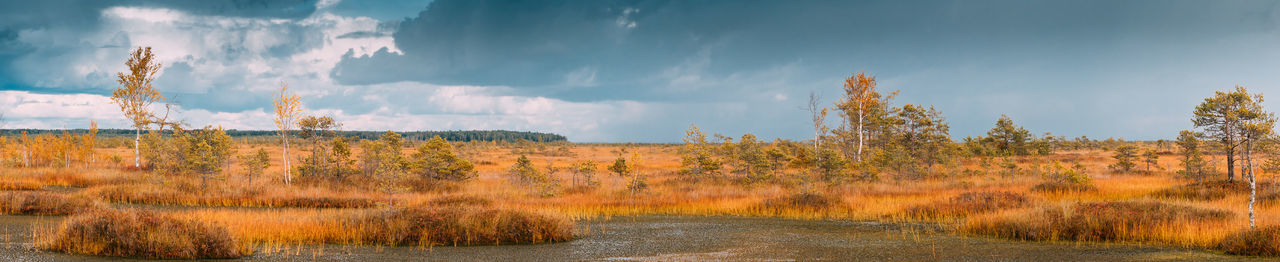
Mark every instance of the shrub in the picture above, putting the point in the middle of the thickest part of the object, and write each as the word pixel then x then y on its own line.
pixel 436 160
pixel 1063 179
pixel 970 203
pixel 42 203
pixel 1253 242
pixel 141 233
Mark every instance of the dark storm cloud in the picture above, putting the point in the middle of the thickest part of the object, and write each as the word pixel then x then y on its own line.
pixel 290 9
pixel 630 44
pixel 974 59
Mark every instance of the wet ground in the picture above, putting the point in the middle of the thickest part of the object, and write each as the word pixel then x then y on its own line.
pixel 664 238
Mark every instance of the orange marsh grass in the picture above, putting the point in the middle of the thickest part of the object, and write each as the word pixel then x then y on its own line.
pixel 413 226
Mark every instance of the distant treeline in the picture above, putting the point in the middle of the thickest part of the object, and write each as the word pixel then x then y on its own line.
pixel 458 136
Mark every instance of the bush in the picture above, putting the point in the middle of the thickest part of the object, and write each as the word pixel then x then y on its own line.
pixel 1253 242
pixel 970 203
pixel 143 234
pixel 42 203
pixel 436 160
pixel 1063 179
pixel 1102 221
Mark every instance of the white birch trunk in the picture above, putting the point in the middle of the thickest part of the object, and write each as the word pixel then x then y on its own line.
pixel 137 154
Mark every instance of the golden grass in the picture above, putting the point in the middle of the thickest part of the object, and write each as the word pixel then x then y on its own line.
pixel 1256 242
pixel 954 202
pixel 414 226
pixel 1143 221
pixel 43 203
pixel 20 185
pixel 242 197
pixel 143 234
pixel 970 203
pixel 805 202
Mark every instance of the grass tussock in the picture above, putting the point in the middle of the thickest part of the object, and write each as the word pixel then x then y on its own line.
pixel 460 200
pixel 1062 187
pixel 1257 242
pixel 158 195
pixel 20 185
pixel 435 226
pixel 1214 190
pixel 141 234
pixel 43 203
pixel 970 203
pixel 805 202
pixel 1099 221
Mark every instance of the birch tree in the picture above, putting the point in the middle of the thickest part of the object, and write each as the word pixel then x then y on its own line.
pixel 1256 124
pixel 860 93
pixel 136 94
pixel 288 108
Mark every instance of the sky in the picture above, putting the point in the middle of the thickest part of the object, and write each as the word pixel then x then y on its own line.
pixel 640 70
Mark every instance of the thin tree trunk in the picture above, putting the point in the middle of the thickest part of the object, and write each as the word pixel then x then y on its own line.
pixel 1231 165
pixel 861 136
pixel 288 176
pixel 137 154
pixel 1253 185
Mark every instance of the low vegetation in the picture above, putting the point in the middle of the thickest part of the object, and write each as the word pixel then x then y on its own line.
pixel 20 185
pixel 230 197
pixel 1255 242
pixel 43 203
pixel 805 202
pixel 970 203
pixel 437 226
pixel 141 234
pixel 1209 190
pixel 1097 221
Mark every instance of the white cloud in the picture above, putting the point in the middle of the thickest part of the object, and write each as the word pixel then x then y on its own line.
pixel 208 58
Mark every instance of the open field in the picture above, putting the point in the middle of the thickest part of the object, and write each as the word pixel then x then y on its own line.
pixel 265 215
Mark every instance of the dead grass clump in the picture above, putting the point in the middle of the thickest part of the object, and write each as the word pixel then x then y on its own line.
pixel 431 226
pixel 970 203
pixel 161 195
pixel 1211 190
pixel 77 178
pixel 460 200
pixel 1101 221
pixel 43 203
pixel 1060 187
pixel 142 234
pixel 20 185
pixel 805 202
pixel 1254 242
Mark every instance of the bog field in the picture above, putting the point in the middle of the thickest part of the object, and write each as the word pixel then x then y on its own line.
pixel 98 209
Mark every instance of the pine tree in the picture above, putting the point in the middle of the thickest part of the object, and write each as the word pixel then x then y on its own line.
pixel 1124 156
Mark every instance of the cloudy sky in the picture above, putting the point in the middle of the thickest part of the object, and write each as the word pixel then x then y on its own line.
pixel 640 70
